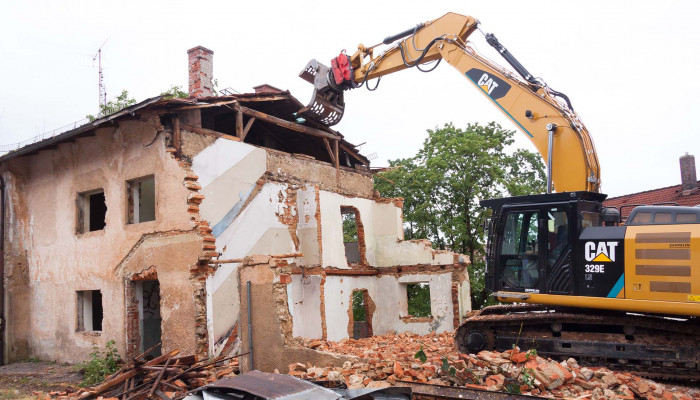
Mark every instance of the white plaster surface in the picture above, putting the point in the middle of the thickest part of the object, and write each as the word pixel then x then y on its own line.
pixel 388 296
pixel 307 229
pixel 382 225
pixel 332 228
pixel 256 230
pixel 304 300
pixel 227 170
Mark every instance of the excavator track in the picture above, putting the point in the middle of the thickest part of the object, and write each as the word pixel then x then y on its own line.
pixel 652 346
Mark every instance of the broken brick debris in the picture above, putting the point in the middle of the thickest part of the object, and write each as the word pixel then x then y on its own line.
pixel 391 359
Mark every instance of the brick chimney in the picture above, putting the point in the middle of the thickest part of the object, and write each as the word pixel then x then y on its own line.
pixel 201 68
pixel 265 88
pixel 689 180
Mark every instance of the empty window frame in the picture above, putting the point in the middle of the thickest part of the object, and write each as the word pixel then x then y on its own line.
pixel 141 200
pixel 92 210
pixel 418 299
pixel 89 310
pixel 350 235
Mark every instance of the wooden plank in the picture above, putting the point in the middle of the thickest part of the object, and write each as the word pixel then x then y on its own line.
pixel 352 272
pixel 239 124
pixel 354 154
pixel 209 132
pixel 162 395
pixel 229 261
pixel 240 260
pixel 284 123
pixel 106 385
pixel 142 355
pixel 328 148
pixel 160 376
pixel 224 103
pixel 337 162
pixel 247 128
pixel 177 141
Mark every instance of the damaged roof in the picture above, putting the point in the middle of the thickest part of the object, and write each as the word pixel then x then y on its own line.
pixel 269 118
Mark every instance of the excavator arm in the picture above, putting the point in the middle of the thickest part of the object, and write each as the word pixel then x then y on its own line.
pixel 544 115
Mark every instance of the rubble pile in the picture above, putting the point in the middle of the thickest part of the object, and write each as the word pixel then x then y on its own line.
pixel 391 359
pixel 166 377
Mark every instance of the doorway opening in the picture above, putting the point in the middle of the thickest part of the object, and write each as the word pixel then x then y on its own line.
pixel 143 315
pixel 149 315
pixel 360 312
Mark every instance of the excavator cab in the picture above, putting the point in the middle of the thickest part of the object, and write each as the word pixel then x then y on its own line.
pixel 533 241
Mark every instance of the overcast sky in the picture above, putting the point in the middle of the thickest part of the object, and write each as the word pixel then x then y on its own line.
pixel 630 68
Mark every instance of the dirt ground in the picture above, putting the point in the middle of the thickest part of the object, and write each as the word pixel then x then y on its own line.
pixel 20 380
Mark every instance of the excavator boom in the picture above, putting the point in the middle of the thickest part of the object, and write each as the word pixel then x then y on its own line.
pixel 544 115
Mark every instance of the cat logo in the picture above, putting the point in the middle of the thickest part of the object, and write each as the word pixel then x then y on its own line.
pixel 487 83
pixel 492 85
pixel 600 252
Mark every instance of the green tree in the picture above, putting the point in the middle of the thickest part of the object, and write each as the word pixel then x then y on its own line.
pixel 349 228
pixel 443 183
pixel 120 102
pixel 175 92
pixel 358 306
pixel 418 295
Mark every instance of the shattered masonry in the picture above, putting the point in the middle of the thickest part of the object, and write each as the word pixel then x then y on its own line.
pixel 157 217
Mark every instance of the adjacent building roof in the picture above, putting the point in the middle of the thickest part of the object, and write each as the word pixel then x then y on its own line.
pixel 671 195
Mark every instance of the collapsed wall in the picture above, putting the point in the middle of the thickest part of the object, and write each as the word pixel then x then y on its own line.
pixel 262 201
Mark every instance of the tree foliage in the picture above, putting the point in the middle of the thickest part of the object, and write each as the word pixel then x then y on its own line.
pixel 123 100
pixel 349 228
pixel 443 184
pixel 120 102
pixel 175 92
pixel 358 306
pixel 418 299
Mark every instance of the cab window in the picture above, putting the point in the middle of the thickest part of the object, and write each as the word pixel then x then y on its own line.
pixel 519 250
pixel 557 234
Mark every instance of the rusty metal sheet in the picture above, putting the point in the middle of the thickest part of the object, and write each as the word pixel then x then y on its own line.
pixel 274 386
pixel 427 391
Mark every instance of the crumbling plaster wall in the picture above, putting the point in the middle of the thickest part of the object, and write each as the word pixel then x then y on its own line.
pixel 383 235
pixel 262 201
pixel 55 262
pixel 273 344
pixel 389 295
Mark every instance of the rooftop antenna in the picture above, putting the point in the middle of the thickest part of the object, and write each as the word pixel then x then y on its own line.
pixel 102 95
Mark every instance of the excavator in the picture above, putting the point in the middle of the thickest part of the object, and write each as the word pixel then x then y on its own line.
pixel 575 279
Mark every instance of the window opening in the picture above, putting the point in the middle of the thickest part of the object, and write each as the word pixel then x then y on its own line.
pixel 662 218
pixel 350 235
pixel 418 299
pixel 360 313
pixel 92 210
pixel 358 306
pixel 686 217
pixel 641 218
pixel 557 234
pixel 89 310
pixel 141 198
pixel 590 219
pixel 519 260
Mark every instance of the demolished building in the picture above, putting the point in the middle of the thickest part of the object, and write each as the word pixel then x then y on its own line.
pixel 208 224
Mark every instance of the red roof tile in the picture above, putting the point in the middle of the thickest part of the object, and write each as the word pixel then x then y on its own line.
pixel 670 194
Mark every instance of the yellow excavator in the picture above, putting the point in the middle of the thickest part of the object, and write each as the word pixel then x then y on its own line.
pixel 583 284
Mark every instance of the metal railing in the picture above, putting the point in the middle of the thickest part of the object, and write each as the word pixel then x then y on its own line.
pixel 6 148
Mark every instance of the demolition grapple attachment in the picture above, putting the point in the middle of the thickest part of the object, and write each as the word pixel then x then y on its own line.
pixel 327 105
